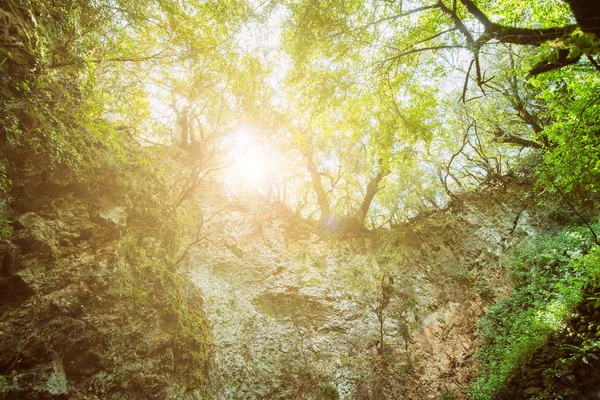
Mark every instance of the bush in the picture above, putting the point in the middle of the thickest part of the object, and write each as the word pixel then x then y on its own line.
pixel 549 275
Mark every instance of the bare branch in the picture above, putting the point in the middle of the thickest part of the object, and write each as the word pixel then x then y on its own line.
pixel 444 179
pixel 324 206
pixel 593 61
pixel 198 238
pixel 504 137
pixel 463 97
pixel 420 50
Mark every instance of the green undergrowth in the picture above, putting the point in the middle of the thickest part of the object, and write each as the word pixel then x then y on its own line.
pixel 549 275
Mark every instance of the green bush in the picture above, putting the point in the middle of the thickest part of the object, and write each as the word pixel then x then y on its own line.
pixel 549 276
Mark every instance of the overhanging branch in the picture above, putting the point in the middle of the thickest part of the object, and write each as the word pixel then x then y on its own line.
pixel 503 137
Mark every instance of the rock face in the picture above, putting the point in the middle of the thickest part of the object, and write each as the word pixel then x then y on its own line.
pixel 91 307
pixel 296 315
pixel 90 311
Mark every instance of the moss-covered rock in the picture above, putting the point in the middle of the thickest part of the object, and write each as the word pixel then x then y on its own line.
pixel 97 316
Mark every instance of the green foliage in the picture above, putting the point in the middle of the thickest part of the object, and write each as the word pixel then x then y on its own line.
pixel 476 281
pixel 139 296
pixel 4 385
pixel 329 390
pixel 365 87
pixel 5 183
pixel 53 112
pixel 530 14
pixel 5 228
pixel 549 275
pixel 448 396
pixel 347 82
pixel 572 162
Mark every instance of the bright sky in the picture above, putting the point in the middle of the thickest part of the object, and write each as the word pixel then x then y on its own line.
pixel 251 164
pixel 252 168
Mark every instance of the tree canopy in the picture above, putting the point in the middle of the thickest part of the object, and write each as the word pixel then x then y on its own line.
pixel 359 114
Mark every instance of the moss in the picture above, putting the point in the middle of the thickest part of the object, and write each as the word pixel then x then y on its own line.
pixel 156 288
pixel 5 228
pixel 56 384
pixel 319 262
pixel 4 385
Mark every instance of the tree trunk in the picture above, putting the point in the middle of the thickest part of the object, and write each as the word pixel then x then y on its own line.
pixel 357 222
pixel 587 15
pixel 319 190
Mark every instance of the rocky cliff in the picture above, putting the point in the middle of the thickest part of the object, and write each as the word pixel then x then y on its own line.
pixel 91 307
pixel 387 314
pixel 94 307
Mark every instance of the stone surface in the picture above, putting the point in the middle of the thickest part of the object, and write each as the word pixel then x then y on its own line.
pixel 87 314
pixel 292 312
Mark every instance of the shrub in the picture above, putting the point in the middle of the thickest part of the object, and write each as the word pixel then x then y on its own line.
pixel 549 276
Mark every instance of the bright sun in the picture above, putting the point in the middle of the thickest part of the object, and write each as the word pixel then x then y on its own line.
pixel 250 165
pixel 253 169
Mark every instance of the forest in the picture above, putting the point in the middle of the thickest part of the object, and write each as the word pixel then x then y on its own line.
pixel 299 199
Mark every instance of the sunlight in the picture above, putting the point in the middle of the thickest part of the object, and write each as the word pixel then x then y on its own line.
pixel 243 139
pixel 251 168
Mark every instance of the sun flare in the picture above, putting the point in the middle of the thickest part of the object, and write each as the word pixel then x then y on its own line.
pixel 253 169
pixel 251 165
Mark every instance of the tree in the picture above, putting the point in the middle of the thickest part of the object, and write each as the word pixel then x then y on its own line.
pixel 457 21
pixel 352 131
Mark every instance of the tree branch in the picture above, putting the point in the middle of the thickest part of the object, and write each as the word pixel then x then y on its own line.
pixel 422 49
pixel 504 137
pixel 198 238
pixel 508 34
pixel 477 13
pixel 319 190
pixel 525 36
pixel 358 220
pixel 587 15
pixel 593 61
pixel 401 15
pixel 547 66
pixel 104 60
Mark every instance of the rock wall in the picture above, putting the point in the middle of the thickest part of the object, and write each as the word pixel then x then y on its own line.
pixel 294 314
pixel 92 309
